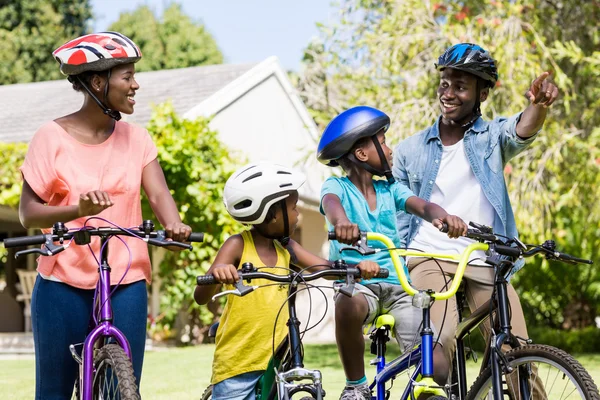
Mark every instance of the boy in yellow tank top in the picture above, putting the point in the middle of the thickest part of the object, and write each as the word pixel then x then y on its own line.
pixel 263 195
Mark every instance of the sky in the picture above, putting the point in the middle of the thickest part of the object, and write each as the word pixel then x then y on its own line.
pixel 245 30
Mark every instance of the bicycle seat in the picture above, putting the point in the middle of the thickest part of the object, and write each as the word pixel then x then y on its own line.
pixel 212 331
pixel 381 321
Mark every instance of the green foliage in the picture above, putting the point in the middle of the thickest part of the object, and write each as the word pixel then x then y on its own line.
pixel 31 29
pixel 196 166
pixel 174 41
pixel 11 159
pixel 382 53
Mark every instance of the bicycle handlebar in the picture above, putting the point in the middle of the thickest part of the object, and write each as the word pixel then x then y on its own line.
pixel 293 277
pixel 340 269
pixel 485 240
pixel 82 236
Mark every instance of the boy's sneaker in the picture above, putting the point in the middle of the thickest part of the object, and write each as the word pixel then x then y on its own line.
pixel 356 392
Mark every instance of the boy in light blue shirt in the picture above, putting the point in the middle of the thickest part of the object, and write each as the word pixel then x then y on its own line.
pixel 355 140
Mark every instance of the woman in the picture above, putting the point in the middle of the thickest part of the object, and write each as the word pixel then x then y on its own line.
pixel 89 163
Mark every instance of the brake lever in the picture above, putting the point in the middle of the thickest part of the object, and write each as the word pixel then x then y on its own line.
pixel 240 290
pixel 32 251
pixel 362 246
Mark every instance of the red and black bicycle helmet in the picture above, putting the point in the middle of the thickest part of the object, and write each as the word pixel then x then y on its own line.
pixel 96 52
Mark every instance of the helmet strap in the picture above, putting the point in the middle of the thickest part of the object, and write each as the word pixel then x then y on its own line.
pixel 111 113
pixel 476 107
pixel 387 172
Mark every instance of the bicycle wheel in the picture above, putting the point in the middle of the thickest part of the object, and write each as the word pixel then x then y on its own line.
pixel 207 394
pixel 113 377
pixel 546 372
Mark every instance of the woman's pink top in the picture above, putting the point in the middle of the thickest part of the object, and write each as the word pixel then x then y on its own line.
pixel 59 169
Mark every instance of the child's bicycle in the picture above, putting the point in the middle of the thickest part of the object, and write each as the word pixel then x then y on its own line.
pixel 105 370
pixel 511 374
pixel 285 375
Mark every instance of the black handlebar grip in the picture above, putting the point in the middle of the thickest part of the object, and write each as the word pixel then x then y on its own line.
pixel 206 280
pixel 331 236
pixel 196 237
pixel 24 241
pixel 567 257
pixel 507 250
pixel 444 228
pixel 383 273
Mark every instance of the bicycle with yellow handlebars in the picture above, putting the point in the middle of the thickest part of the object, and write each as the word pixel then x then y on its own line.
pixel 527 371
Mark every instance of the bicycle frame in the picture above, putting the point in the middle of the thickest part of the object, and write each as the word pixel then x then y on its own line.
pixel 104 328
pixel 422 379
pixel 493 354
pixel 289 356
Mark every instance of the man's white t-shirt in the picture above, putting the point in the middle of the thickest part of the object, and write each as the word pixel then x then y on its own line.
pixel 458 192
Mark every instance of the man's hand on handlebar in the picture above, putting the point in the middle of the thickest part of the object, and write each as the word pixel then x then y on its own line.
pixel 451 224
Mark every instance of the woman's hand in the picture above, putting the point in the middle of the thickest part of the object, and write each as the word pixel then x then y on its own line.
pixel 93 203
pixel 178 232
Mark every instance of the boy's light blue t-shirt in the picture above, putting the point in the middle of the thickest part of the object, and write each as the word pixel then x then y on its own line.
pixel 390 199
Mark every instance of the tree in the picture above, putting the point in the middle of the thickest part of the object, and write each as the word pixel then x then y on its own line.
pixel 382 53
pixel 196 166
pixel 31 29
pixel 174 41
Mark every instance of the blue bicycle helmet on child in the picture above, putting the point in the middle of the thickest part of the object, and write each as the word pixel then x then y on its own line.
pixel 349 127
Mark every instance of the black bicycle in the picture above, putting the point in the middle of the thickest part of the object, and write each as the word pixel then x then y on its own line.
pixel 285 375
pixel 528 371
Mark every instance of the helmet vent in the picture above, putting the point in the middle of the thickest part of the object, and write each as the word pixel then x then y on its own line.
pixel 256 175
pixel 284 172
pixel 243 204
pixel 285 185
pixel 109 47
pixel 122 43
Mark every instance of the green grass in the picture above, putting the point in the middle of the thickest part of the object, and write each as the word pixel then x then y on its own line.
pixel 183 373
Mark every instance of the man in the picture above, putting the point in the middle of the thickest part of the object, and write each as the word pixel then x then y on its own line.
pixel 458 163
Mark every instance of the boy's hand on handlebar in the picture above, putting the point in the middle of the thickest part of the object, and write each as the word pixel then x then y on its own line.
pixel 346 232
pixel 93 202
pixel 368 269
pixel 456 226
pixel 225 273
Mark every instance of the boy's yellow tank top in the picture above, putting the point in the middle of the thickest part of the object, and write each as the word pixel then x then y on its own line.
pixel 244 339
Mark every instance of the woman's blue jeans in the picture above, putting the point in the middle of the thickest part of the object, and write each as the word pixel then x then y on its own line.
pixel 61 316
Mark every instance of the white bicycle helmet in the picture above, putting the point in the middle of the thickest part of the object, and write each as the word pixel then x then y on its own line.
pixel 251 191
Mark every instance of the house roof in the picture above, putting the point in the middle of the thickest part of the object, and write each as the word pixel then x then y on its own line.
pixel 25 107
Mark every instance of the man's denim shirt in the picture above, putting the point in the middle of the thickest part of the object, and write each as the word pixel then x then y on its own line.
pixel 488 146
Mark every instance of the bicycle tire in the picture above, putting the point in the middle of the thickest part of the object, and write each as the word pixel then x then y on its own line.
pixel 112 364
pixel 542 354
pixel 207 394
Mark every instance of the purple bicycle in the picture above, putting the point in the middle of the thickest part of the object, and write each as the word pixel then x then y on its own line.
pixel 105 369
